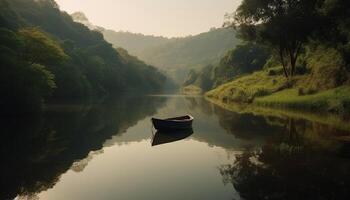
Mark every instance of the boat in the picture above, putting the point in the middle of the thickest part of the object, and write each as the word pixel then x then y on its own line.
pixel 164 137
pixel 176 123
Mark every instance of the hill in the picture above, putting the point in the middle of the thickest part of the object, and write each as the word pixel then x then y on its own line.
pixel 175 56
pixel 45 54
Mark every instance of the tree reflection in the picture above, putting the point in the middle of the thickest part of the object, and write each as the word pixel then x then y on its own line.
pixel 297 165
pixel 36 151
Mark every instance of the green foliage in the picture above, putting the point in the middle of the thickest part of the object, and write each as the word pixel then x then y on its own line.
pixel 283 25
pixel 39 48
pixel 23 85
pixel 327 68
pixel 32 58
pixel 246 88
pixel 243 59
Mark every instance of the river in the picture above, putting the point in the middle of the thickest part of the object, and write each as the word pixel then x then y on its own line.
pixel 103 151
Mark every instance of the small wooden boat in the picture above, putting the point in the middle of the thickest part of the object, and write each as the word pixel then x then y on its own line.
pixel 176 123
pixel 164 137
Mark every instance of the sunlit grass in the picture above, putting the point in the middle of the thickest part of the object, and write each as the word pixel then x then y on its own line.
pixel 334 100
pixel 246 88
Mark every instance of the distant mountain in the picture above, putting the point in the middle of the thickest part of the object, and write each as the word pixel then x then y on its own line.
pixel 192 52
pixel 135 44
pixel 175 56
pixel 81 18
pixel 179 56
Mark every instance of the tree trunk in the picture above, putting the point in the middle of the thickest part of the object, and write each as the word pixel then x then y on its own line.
pixel 283 63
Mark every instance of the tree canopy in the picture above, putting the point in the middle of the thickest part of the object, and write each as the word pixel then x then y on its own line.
pixel 43 51
pixel 284 25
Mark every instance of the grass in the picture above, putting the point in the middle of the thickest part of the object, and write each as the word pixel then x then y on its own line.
pixel 273 90
pixel 334 100
pixel 246 88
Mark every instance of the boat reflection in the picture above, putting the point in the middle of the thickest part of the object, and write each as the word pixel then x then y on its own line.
pixel 164 137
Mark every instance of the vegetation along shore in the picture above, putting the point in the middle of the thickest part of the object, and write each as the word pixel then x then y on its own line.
pixel 287 58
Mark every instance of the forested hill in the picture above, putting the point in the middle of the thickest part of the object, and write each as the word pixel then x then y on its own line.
pixel 173 55
pixel 177 55
pixel 44 53
pixel 134 43
pixel 192 51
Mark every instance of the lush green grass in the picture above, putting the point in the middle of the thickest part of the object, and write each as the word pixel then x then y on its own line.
pixel 273 90
pixel 334 100
pixel 248 87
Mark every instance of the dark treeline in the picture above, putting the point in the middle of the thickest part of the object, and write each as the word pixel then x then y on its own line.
pixel 44 54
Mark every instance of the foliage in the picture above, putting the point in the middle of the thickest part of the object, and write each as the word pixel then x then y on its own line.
pixel 39 48
pixel 245 58
pixel 285 26
pixel 246 88
pixel 327 68
pixel 23 83
pixel 44 52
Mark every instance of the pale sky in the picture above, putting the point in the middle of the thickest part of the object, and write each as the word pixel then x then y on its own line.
pixel 170 18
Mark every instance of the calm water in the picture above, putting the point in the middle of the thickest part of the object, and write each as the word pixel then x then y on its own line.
pixel 103 151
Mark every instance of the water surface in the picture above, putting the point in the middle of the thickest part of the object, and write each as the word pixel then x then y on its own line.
pixel 104 151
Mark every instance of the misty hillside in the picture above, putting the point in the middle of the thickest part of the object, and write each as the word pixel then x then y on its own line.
pixel 192 51
pixel 136 44
pixel 176 56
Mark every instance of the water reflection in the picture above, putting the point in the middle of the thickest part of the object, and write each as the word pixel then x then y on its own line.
pixel 35 151
pixel 288 158
pixel 102 151
pixel 300 163
pixel 164 137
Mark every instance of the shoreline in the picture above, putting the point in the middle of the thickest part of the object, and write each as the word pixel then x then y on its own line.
pixel 334 120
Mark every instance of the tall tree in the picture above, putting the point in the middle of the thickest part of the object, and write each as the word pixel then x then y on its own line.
pixel 284 25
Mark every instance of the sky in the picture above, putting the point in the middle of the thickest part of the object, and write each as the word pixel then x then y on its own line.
pixel 169 18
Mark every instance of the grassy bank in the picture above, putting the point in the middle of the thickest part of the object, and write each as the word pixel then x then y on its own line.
pixel 248 87
pixel 333 120
pixel 334 100
pixel 270 89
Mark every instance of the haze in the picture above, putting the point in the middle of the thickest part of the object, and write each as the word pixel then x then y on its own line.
pixel 169 18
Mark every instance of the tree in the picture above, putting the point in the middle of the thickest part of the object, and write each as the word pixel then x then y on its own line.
pixel 336 15
pixel 284 25
pixel 39 48
pixel 246 58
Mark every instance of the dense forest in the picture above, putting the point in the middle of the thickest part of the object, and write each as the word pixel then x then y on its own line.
pixel 174 56
pixel 294 54
pixel 59 58
pixel 244 59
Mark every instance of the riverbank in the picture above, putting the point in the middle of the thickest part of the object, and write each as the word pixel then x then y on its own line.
pixel 338 121
pixel 266 89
